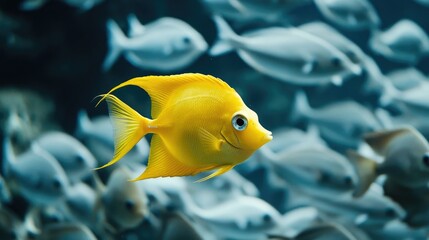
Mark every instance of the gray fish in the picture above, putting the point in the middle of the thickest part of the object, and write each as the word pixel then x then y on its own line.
pixel 243 217
pixel 293 138
pixel 97 135
pixel 342 122
pixel 83 205
pixel 226 186
pixel 406 159
pixel 125 204
pixel 67 231
pixel 269 11
pixel 70 153
pixel 414 100
pixel 35 174
pixel 168 44
pixel 372 210
pixel 24 114
pixel 331 35
pixel 423 2
pixel 296 220
pixel 177 227
pixel 30 5
pixel 316 168
pixel 396 230
pixel 407 78
pixel 350 14
pixel 329 230
pixel 404 42
pixel 286 54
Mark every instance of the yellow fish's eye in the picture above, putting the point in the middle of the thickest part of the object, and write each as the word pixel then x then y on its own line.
pixel 239 122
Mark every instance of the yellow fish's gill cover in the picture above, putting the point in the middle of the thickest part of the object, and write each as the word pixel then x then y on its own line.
pixel 199 123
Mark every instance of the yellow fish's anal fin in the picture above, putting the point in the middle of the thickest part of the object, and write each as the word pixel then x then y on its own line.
pixel 209 142
pixel 128 126
pixel 162 164
pixel 379 140
pixel 220 171
pixel 160 88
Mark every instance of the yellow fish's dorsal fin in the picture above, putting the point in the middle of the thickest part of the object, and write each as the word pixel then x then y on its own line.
pixel 160 88
pixel 128 126
pixel 162 164
pixel 379 140
pixel 220 171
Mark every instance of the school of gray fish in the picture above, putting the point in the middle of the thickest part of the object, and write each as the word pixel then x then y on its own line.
pixel 345 168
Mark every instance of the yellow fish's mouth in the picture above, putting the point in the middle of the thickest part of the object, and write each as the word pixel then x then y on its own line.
pixel 226 140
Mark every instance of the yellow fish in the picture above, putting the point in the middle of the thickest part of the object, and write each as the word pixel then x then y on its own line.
pixel 199 123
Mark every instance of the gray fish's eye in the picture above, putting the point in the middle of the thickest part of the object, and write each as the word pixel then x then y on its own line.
pixel 129 204
pixel 336 62
pixel 390 212
pixel 425 159
pixel 186 40
pixel 79 160
pixel 56 183
pixel 239 122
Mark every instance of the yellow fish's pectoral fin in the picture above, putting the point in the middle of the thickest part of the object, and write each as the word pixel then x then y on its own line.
pixel 128 125
pixel 209 142
pixel 220 171
pixel 162 164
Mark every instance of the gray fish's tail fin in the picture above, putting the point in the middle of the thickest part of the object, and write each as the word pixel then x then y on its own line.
pixel 226 34
pixel 8 156
pixel 83 124
pixel 300 108
pixel 366 171
pixel 117 40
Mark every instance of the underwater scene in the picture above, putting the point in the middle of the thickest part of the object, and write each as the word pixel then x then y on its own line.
pixel 214 119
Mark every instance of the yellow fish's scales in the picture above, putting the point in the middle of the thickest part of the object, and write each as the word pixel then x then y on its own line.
pixel 199 123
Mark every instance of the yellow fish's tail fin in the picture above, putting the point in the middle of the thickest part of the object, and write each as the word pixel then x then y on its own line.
pixel 128 125
pixel 220 171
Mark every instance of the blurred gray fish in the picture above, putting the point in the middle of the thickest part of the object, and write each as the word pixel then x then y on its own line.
pixel 178 227
pixel 70 153
pixel 166 44
pixel 331 35
pixel 329 230
pixel 287 54
pixel 372 210
pixel 34 174
pixel 30 5
pixel 24 114
pixel 83 204
pixel 243 217
pixel 269 11
pixel 296 220
pixel 396 230
pixel 323 169
pixel 423 2
pixel 342 122
pixel 293 138
pixel 414 100
pixel 226 186
pixel 97 135
pixel 406 159
pixel 125 204
pixel 67 231
pixel 350 14
pixel 405 42
pixel 406 78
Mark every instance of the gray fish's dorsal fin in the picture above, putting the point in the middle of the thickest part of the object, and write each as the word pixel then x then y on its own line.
pixel 136 28
pixel 379 141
